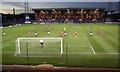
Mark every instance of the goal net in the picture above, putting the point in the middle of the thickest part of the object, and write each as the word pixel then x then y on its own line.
pixel 33 47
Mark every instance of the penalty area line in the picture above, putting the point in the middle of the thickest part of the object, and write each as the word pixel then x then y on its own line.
pixel 92 49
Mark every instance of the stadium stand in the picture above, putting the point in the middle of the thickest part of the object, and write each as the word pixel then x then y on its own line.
pixel 62 15
pixel 69 15
pixel 113 17
pixel 13 19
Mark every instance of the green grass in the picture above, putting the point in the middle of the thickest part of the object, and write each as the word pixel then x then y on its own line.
pixel 77 50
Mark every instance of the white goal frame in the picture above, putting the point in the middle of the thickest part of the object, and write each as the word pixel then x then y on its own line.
pixel 18 43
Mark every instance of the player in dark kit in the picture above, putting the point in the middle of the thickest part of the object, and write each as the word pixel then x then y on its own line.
pixel 3 33
pixel 36 34
pixel 65 33
pixel 90 33
pixel 41 43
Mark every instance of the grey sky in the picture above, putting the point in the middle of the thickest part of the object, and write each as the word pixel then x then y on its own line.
pixel 19 6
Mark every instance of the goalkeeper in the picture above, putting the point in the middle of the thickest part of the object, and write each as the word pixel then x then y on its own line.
pixel 41 43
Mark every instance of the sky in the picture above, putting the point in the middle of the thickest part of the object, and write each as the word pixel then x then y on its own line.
pixel 6 6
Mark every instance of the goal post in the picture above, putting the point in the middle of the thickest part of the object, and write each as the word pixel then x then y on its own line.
pixel 51 42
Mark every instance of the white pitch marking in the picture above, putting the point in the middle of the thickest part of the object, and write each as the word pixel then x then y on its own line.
pixel 92 49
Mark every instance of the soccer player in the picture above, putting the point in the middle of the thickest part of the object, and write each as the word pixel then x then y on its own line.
pixel 62 34
pixel 41 43
pixel 36 34
pixel 3 33
pixel 90 33
pixel 76 27
pixel 65 33
pixel 48 32
pixel 29 34
pixel 46 29
pixel 64 29
pixel 76 34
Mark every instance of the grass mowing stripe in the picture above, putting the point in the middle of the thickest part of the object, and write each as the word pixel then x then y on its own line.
pixel 111 43
pixel 97 47
pixel 110 34
pixel 104 44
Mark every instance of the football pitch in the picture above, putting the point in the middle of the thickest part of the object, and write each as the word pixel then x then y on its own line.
pixel 98 50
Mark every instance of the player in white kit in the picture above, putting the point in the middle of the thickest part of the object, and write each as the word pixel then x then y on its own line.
pixel 41 43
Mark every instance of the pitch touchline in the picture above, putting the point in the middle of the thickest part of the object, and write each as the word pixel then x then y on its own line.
pixel 92 49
